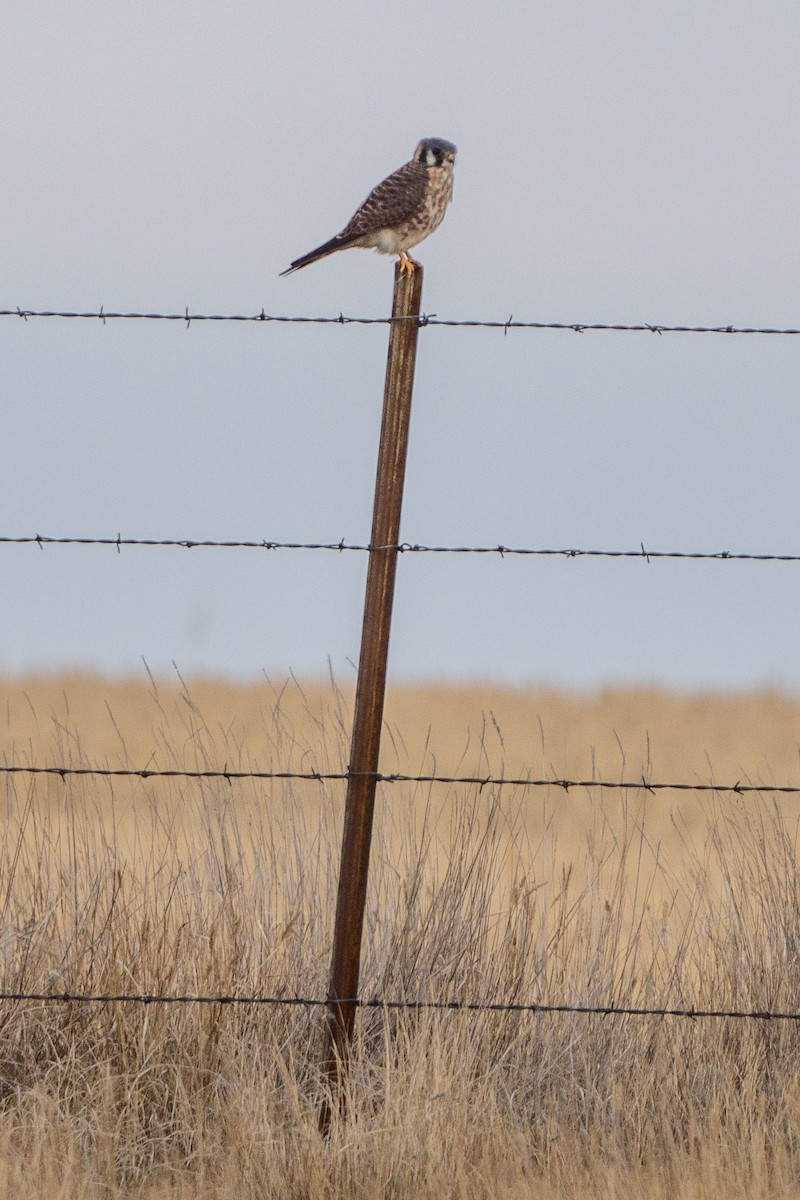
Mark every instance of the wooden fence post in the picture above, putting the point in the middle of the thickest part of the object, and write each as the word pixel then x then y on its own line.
pixel 371 684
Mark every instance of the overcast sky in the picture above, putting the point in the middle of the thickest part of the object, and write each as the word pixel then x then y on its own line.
pixel 618 162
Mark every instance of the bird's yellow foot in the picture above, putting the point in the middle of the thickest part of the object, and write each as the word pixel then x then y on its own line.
pixel 407 264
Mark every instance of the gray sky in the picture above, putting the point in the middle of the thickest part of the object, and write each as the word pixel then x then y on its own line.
pixel 620 162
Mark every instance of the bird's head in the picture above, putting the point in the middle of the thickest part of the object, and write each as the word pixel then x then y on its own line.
pixel 435 152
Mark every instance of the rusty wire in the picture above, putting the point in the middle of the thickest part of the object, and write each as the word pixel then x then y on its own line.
pixel 481 781
pixel 42 540
pixel 424 319
pixel 471 1006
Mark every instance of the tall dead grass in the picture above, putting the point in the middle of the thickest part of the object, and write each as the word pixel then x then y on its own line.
pixel 492 895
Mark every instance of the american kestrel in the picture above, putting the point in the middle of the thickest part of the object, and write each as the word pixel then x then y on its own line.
pixel 400 212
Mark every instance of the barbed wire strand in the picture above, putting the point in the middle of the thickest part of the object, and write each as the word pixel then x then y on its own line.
pixel 423 320
pixel 42 540
pixel 469 1006
pixel 480 781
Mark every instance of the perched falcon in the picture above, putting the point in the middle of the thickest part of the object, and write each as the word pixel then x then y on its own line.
pixel 400 212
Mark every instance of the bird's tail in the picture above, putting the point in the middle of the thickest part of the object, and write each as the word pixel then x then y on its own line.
pixel 336 243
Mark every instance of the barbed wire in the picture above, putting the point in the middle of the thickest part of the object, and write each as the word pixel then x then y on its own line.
pixel 471 1006
pixel 118 542
pixel 480 781
pixel 423 320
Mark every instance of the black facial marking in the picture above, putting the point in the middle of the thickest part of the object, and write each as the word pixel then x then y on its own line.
pixel 434 154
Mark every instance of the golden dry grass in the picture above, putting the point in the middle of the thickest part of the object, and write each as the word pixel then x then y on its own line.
pixel 511 894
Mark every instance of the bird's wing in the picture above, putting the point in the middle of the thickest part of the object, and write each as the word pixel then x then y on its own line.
pixel 390 203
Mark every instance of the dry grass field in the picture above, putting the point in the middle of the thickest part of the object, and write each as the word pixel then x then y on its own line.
pixel 513 894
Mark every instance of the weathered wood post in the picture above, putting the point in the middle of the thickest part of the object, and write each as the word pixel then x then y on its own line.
pixel 371 683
